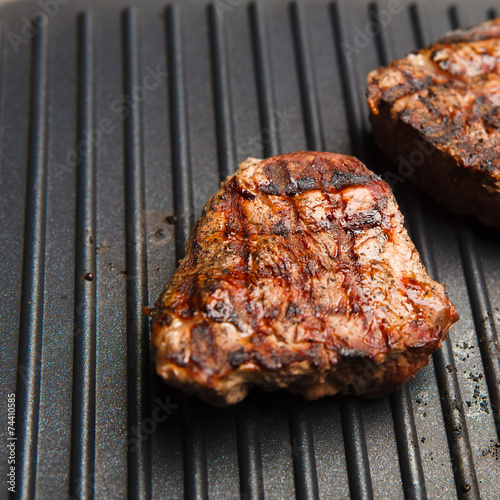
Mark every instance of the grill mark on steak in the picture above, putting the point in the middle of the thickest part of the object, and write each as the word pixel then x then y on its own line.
pixel 342 179
pixel 298 288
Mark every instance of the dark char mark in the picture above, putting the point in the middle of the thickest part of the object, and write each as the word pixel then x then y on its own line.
pixel 362 221
pixel 291 188
pixel 221 313
pixel 277 172
pixel 270 188
pixel 293 310
pixel 306 183
pixel 299 186
pixel 202 340
pixel 247 195
pixel 164 319
pixel 281 229
pixel 340 180
pixel 237 358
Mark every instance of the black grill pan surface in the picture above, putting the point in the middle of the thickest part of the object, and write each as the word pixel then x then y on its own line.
pixel 118 120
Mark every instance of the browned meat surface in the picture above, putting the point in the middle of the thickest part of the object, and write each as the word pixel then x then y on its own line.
pixel 299 274
pixel 436 113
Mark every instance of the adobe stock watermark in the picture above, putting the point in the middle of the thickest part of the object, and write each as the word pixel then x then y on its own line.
pixel 361 37
pixel 48 10
pixel 281 120
pixel 121 106
pixel 407 163
pixel 148 426
pixel 11 442
pixel 294 448
pixel 86 487
pixel 222 7
pixel 260 490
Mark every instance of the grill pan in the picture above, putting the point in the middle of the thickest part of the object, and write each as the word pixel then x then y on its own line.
pixel 117 122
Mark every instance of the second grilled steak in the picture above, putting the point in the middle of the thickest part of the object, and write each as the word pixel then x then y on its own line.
pixel 300 275
pixel 436 114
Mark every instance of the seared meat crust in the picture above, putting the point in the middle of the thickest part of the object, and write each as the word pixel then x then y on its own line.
pixel 438 109
pixel 299 274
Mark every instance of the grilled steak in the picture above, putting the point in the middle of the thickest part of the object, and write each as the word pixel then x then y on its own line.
pixel 300 275
pixel 436 115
